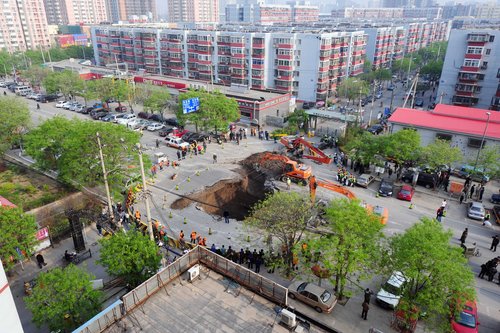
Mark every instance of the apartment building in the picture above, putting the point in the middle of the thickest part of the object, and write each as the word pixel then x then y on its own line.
pixel 23 25
pixel 123 10
pixel 388 13
pixel 385 45
pixel 259 13
pixel 309 65
pixel 471 69
pixel 75 12
pixel 488 11
pixel 193 11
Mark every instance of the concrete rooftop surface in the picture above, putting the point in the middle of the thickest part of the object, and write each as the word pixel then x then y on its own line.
pixel 211 303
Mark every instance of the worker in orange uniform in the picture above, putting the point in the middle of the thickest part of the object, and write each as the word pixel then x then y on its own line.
pixel 181 235
pixel 204 241
pixel 138 215
pixel 193 237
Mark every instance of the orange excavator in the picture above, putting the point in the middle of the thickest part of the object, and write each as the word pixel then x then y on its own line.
pixel 302 148
pixel 302 174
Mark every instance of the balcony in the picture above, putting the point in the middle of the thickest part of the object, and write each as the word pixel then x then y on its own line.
pixel 285 56
pixel 283 46
pixel 258 55
pixel 257 75
pixel 473 56
pixel 284 78
pixel 258 45
pixel 481 38
pixel 284 68
pixel 469 69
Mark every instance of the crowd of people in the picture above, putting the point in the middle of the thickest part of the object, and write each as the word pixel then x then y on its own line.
pixel 490 269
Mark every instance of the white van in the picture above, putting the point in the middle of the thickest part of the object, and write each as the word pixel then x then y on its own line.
pixel 390 293
pixel 22 90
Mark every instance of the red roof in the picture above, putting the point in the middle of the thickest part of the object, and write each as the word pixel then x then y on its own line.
pixel 6 203
pixel 451 118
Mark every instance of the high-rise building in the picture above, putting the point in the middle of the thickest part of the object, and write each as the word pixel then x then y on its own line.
pixel 471 69
pixel 10 321
pixel 123 10
pixel 193 11
pixel 488 11
pixel 309 64
pixel 259 13
pixel 23 25
pixel 75 12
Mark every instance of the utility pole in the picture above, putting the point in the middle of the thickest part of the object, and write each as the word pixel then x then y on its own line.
pixel 482 140
pixel 146 194
pixel 414 91
pixel 373 100
pixel 105 176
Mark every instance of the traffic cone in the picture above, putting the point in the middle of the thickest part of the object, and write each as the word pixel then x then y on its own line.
pixel 185 221
pixel 170 215
pixel 209 231
pixel 411 206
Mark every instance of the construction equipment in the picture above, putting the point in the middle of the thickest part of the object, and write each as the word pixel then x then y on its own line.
pixel 314 183
pixel 300 147
pixel 299 173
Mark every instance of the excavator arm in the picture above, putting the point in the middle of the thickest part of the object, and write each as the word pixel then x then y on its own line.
pixel 314 183
pixel 293 143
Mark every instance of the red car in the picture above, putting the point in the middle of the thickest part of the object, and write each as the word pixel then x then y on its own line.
pixel 466 321
pixel 406 193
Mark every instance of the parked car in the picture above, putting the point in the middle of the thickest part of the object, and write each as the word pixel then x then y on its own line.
pixel 5 84
pixel 75 106
pixel 187 135
pixel 141 124
pixel 428 180
pixel 379 94
pixel 99 115
pixel 109 117
pixel 308 105
pixel 60 104
pixel 171 122
pixel 156 117
pixel 466 321
pixel 166 131
pixel 476 211
pixel 391 87
pixel 32 95
pixel 315 296
pixel 155 127
pixel 390 292
pixel 121 108
pixel 80 108
pixel 419 102
pixel 68 104
pixel 198 137
pixel 495 198
pixel 126 119
pixel 144 115
pixel 375 129
pixel 175 142
pixel 386 188
pixel 406 193
pixel 364 180
pixel 476 174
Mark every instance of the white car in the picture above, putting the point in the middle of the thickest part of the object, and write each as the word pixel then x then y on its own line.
pixel 476 211
pixel 126 119
pixel 33 96
pixel 390 292
pixel 67 105
pixel 155 127
pixel 175 142
pixel 60 104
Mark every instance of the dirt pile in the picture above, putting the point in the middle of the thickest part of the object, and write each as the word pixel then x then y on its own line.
pixel 271 169
pixel 235 196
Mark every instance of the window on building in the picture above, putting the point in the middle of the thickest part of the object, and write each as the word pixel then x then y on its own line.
pixel 488 51
pixel 471 63
pixel 474 50
pixel 442 136
pixel 492 39
pixel 484 65
pixel 475 143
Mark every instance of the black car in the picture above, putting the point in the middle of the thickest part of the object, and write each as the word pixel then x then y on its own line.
pixel 375 129
pixel 428 180
pixel 495 198
pixel 419 102
pixel 156 117
pixel 187 135
pixel 47 98
pixel 386 188
pixel 308 105
pixel 197 137
pixel 99 115
pixel 171 122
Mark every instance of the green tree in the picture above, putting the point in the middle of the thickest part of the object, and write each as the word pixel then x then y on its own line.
pixel 365 147
pixel 400 66
pixel 66 82
pixel 17 231
pixel 351 247
pixel 110 88
pixel 488 160
pixel 299 120
pixel 287 225
pixel 401 146
pixel 353 89
pixel 70 148
pixel 433 69
pixel 35 75
pixel 382 74
pixel 131 256
pixel 438 153
pixel 435 271
pixel 216 110
pixel 157 101
pixel 64 299
pixel 15 119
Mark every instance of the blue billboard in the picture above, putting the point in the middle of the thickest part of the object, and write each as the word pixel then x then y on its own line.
pixel 190 105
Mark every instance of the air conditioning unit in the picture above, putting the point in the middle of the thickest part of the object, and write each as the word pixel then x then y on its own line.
pixel 288 318
pixel 193 273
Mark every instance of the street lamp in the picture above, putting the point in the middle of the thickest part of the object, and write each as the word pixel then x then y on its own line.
pixel 482 139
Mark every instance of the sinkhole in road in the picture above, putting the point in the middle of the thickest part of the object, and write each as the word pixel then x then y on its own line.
pixel 236 196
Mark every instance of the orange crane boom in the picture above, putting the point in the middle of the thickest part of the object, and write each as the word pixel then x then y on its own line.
pixel 296 144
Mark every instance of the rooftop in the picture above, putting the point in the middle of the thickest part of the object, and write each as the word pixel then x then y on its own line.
pixel 451 118
pixel 6 203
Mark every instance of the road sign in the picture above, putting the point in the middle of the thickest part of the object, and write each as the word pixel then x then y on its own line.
pixel 190 105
